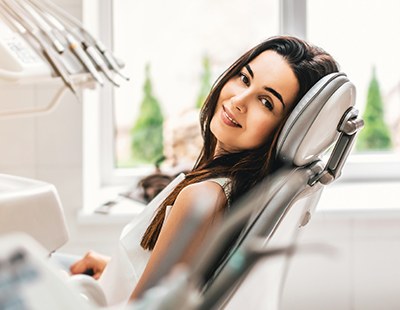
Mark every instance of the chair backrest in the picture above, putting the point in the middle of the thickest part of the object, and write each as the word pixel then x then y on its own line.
pixel 272 215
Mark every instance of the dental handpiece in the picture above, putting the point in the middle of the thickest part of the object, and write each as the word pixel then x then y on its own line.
pixel 91 51
pixel 76 48
pixel 98 60
pixel 109 57
pixel 45 27
pixel 60 70
pixel 73 44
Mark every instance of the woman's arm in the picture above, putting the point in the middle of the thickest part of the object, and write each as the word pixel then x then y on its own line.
pixel 212 196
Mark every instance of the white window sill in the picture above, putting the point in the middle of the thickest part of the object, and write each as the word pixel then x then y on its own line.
pixel 120 210
pixel 362 198
pixel 369 199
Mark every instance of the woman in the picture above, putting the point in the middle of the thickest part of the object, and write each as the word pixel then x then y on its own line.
pixel 240 120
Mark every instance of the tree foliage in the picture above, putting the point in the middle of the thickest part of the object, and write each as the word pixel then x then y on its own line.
pixel 205 85
pixel 376 134
pixel 147 133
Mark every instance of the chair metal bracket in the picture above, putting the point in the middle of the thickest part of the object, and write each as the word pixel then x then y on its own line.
pixel 348 128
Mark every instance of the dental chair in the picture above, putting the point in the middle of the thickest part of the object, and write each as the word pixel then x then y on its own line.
pixel 245 262
pixel 283 204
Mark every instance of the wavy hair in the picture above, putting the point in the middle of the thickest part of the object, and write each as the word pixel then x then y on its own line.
pixel 246 168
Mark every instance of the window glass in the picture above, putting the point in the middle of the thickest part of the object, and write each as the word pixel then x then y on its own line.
pixel 364 37
pixel 174 50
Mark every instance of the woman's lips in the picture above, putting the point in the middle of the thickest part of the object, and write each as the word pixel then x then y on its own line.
pixel 228 118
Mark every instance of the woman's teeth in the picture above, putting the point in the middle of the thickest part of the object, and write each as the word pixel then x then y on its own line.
pixel 232 120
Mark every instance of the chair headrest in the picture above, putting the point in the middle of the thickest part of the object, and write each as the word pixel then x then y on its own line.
pixel 312 126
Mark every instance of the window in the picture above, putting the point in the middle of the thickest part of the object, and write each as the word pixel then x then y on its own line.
pixel 175 39
pixel 364 38
pixel 185 46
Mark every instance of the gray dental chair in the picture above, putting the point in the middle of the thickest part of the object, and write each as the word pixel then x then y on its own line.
pixel 245 263
pixel 284 203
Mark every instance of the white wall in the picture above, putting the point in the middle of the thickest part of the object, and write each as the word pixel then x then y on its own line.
pixel 364 274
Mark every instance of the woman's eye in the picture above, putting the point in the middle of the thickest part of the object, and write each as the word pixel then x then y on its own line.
pixel 268 104
pixel 244 79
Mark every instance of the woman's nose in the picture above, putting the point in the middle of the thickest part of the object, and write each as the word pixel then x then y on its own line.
pixel 239 102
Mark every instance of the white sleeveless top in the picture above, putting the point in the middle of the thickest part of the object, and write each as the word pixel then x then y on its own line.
pixel 129 260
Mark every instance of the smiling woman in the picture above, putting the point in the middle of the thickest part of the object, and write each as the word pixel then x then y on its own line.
pixel 211 29
pixel 240 120
pixel 252 103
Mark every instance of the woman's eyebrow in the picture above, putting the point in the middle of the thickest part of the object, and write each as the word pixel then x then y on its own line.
pixel 249 70
pixel 276 94
pixel 269 89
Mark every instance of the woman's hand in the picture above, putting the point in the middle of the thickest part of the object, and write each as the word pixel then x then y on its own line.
pixel 92 263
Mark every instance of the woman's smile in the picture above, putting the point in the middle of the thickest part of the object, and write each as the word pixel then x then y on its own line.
pixel 228 118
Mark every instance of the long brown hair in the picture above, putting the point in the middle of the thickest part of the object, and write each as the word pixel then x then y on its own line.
pixel 246 168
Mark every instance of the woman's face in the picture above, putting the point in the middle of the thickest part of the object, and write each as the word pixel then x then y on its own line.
pixel 252 103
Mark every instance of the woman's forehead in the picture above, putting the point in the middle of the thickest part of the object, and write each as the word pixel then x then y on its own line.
pixel 272 70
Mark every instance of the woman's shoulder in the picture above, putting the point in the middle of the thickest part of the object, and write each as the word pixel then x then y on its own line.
pixel 204 187
pixel 208 189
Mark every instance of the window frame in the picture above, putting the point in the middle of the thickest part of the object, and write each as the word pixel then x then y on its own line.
pixel 293 20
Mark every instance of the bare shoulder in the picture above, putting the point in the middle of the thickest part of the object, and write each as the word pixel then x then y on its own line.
pixel 204 188
pixel 207 192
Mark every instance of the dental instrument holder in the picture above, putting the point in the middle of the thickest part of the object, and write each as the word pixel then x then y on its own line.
pixel 36 13
pixel 114 63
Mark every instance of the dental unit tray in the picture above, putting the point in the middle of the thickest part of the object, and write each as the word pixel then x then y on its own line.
pixel 32 207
